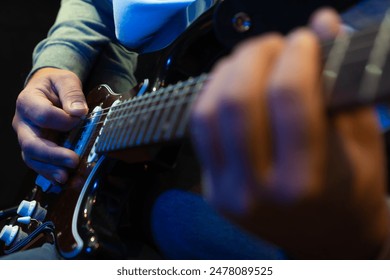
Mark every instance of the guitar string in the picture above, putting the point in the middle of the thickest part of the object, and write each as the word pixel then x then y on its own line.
pixel 131 134
pixel 164 94
pixel 160 92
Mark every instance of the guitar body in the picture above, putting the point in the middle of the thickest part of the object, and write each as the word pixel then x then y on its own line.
pixel 91 216
pixel 76 233
pixel 69 208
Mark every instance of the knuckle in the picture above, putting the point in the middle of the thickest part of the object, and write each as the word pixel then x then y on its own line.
pixel 270 42
pixel 28 147
pixel 303 38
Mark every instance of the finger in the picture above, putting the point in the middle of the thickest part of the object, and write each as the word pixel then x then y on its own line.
pixel 34 107
pixel 203 127
pixel 297 118
pixel 243 119
pixel 64 84
pixel 326 23
pixel 219 121
pixel 358 133
pixel 69 88
pixel 51 172
pixel 39 149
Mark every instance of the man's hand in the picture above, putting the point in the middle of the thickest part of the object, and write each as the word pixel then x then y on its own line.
pixel 277 164
pixel 51 102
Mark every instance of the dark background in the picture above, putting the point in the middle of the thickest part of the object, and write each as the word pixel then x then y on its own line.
pixel 23 23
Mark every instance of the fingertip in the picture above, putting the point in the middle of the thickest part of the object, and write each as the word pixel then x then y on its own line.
pixel 78 108
pixel 60 177
pixel 301 37
pixel 326 23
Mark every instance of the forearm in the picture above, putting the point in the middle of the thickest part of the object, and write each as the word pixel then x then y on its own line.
pixel 82 30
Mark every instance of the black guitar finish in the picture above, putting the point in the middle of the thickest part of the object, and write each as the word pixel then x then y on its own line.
pixel 238 20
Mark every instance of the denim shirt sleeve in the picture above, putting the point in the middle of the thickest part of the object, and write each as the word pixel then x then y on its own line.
pixel 83 30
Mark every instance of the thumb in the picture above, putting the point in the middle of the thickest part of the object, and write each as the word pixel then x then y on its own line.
pixel 69 89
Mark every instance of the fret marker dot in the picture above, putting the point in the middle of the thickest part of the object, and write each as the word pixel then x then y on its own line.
pixel 373 69
pixel 330 74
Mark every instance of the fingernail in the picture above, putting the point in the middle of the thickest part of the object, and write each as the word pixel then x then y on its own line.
pixel 78 105
pixel 58 178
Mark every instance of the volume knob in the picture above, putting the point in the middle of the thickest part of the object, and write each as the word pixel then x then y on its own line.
pixel 10 234
pixel 32 209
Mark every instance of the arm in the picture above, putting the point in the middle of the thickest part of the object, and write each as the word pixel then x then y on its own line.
pixel 53 99
pixel 82 30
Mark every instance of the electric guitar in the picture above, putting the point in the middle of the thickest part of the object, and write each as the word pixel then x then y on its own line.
pixel 147 132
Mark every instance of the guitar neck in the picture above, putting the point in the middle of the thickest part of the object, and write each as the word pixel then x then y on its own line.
pixel 354 74
pixel 160 116
pixel 356 70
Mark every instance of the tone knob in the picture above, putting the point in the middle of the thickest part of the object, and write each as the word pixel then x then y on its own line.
pixel 10 234
pixel 32 209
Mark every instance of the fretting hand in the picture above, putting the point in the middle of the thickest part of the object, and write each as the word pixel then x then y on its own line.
pixel 276 164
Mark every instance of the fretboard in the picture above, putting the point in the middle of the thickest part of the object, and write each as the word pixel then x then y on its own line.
pixel 160 116
pixel 357 68
pixel 356 72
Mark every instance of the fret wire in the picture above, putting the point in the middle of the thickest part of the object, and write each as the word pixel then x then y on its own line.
pixel 184 121
pixel 107 127
pixel 123 105
pixel 157 108
pixel 117 127
pixel 360 35
pixel 374 67
pixel 186 100
pixel 165 113
pixel 138 114
pixel 106 136
pixel 128 106
pixel 103 135
pixel 148 114
pixel 350 71
pixel 151 109
pixel 130 117
pixel 333 64
pixel 182 100
pixel 358 51
pixel 112 122
pixel 170 116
